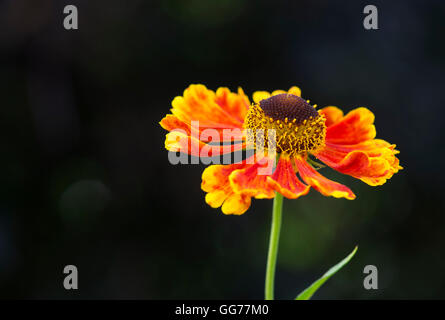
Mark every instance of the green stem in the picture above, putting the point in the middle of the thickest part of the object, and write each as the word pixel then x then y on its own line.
pixel 273 246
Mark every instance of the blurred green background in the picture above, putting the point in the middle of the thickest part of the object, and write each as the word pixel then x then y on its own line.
pixel 85 178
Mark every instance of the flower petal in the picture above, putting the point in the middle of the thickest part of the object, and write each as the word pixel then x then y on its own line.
pixel 323 185
pixel 236 204
pixel 372 161
pixel 332 115
pixel 285 181
pixel 235 104
pixel 203 116
pixel 215 181
pixel 357 126
pixel 350 147
pixel 213 110
pixel 277 92
pixel 179 141
pixel 295 90
pixel 171 122
pixel 250 181
pixel 260 95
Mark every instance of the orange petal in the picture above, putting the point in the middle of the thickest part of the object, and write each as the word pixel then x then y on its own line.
pixel 179 141
pixel 332 115
pixel 285 181
pixel 235 104
pixel 323 185
pixel 171 122
pixel 357 126
pixel 215 181
pixel 372 161
pixel 250 181
pixel 223 109
pixel 203 116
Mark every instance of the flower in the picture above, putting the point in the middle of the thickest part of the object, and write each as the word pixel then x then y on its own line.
pixel 345 143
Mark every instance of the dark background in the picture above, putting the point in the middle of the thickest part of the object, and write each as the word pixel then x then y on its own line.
pixel 85 179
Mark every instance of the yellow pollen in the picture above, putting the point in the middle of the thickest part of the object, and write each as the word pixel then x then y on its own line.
pixel 306 129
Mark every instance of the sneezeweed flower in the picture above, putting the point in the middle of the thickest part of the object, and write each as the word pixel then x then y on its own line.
pixel 301 134
pixel 346 143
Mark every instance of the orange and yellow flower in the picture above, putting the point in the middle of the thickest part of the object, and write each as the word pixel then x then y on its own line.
pixel 345 143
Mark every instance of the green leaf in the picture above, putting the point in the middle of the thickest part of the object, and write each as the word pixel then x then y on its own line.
pixel 308 292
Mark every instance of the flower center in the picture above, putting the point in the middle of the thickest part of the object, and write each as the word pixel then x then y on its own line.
pixel 298 126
